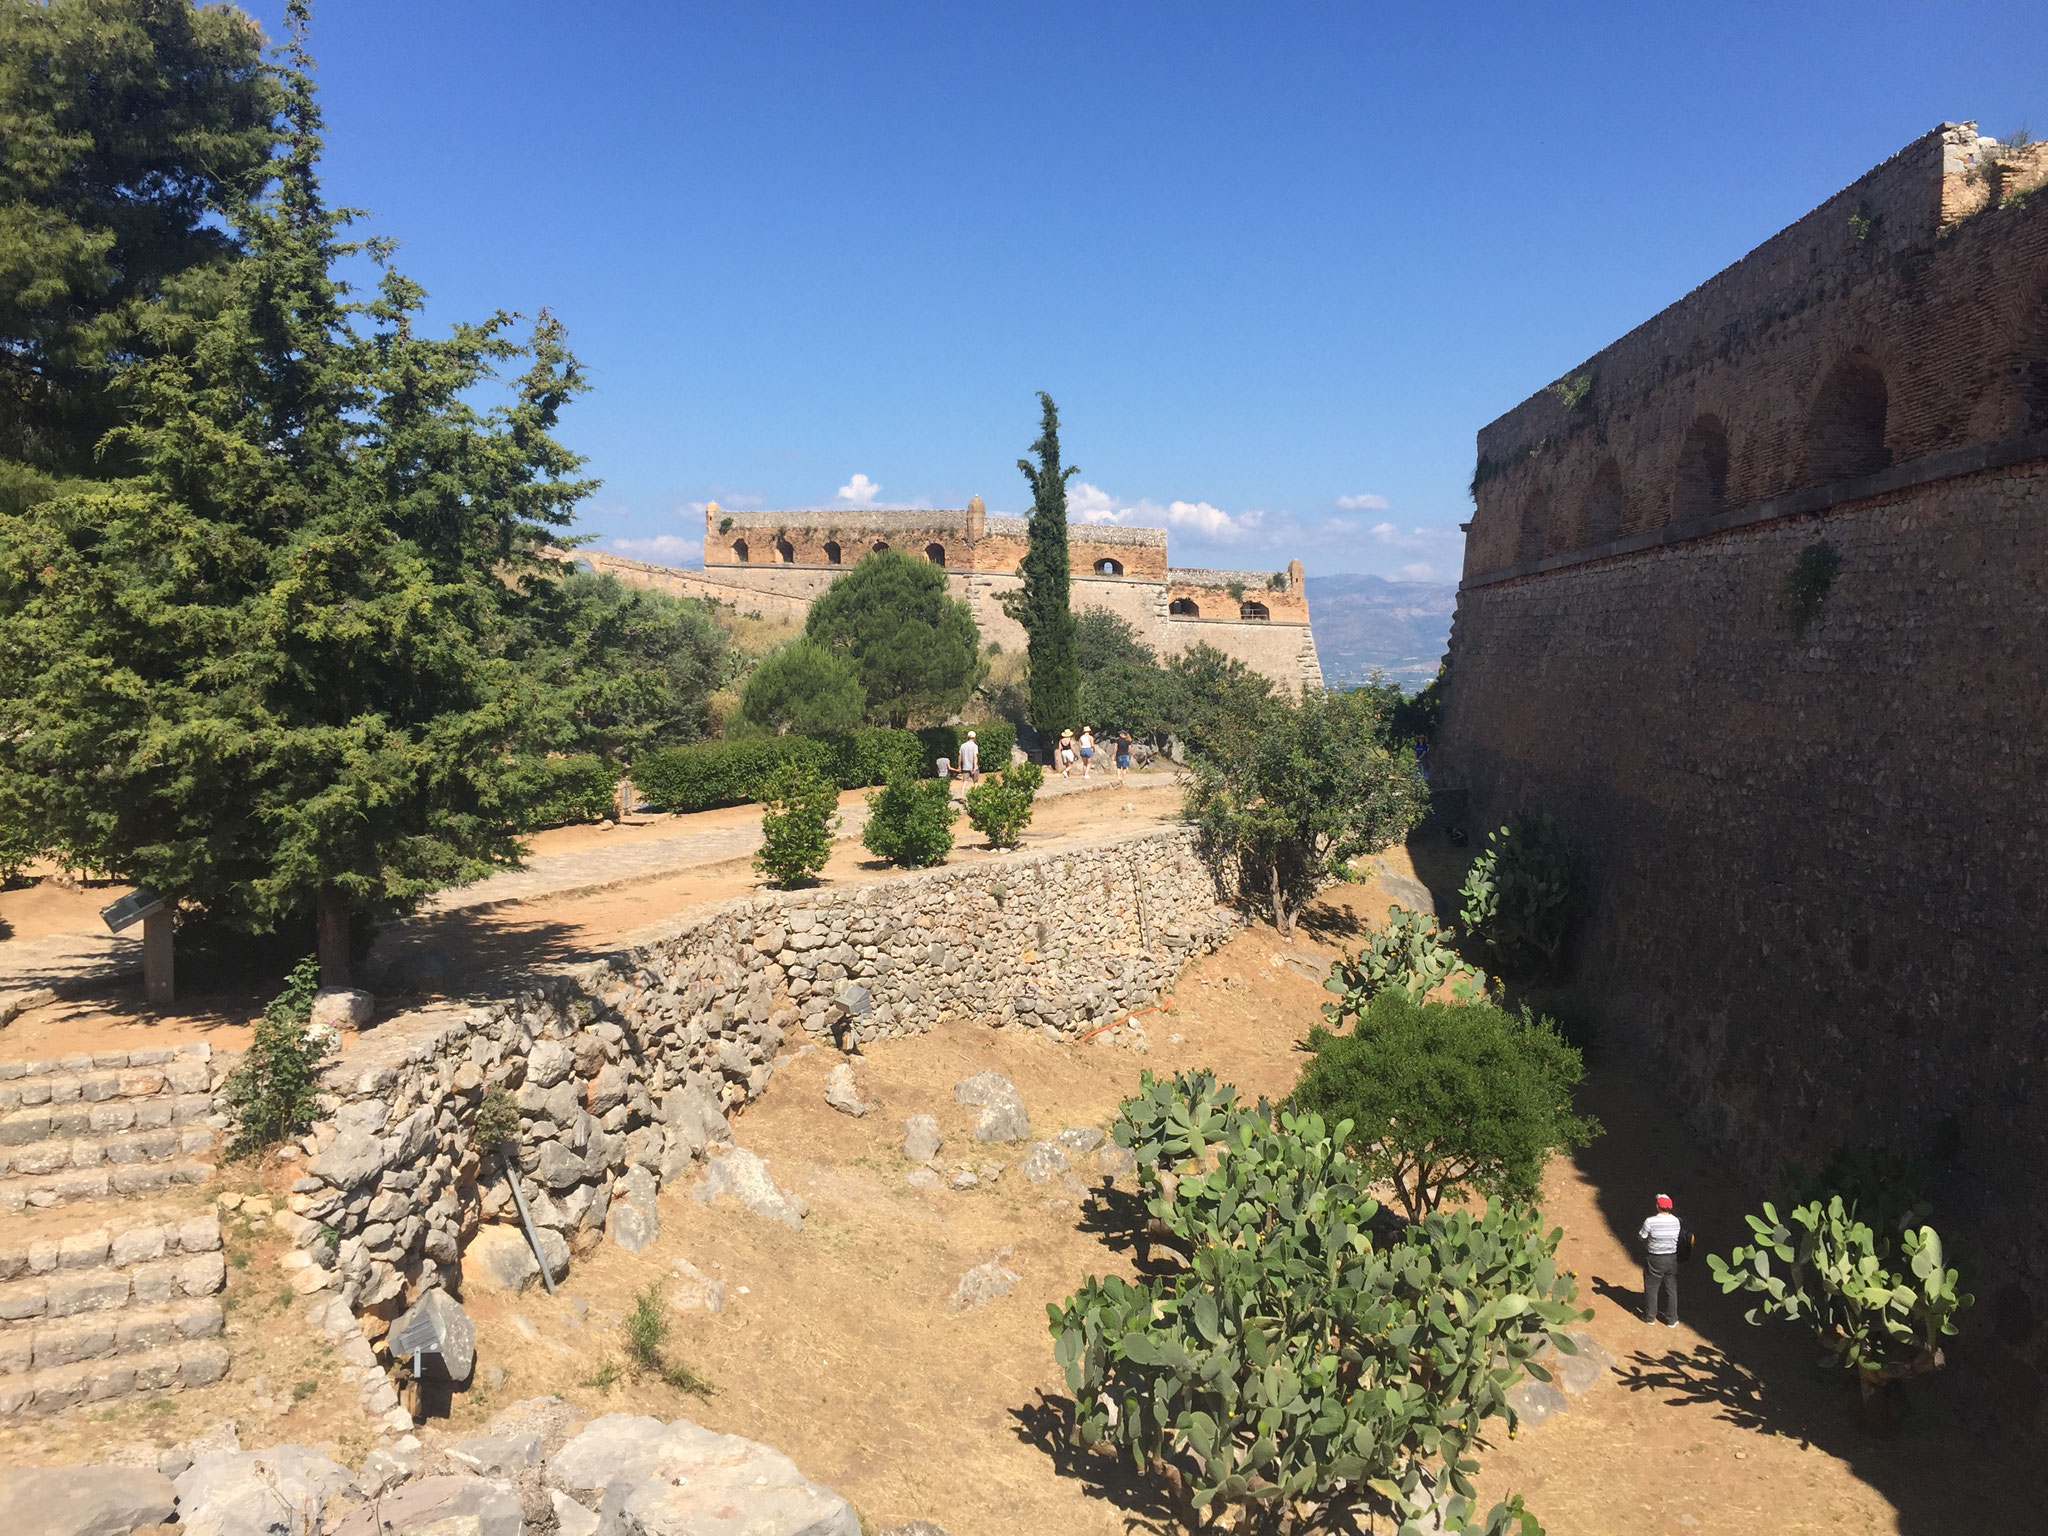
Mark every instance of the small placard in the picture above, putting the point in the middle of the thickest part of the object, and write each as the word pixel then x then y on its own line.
pixel 131 909
pixel 420 1334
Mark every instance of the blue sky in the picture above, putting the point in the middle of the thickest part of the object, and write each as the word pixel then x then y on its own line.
pixel 1276 263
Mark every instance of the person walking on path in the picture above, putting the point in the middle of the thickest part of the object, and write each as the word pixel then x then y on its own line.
pixel 1087 751
pixel 970 759
pixel 1660 1261
pixel 1066 753
pixel 1123 755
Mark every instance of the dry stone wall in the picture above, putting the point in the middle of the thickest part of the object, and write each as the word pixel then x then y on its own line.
pixel 626 1071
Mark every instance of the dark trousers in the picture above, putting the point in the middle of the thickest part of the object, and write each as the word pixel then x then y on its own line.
pixel 1660 1275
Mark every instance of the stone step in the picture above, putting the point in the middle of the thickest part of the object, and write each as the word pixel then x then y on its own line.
pixel 102 1335
pixel 27 1303
pixel 18 1191
pixel 28 1127
pixel 117 1247
pixel 193 1363
pixel 154 1146
pixel 107 1075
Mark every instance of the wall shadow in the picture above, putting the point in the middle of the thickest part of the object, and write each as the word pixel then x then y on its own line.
pixel 1941 1466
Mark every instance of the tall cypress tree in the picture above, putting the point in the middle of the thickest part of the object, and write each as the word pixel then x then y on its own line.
pixel 1047 607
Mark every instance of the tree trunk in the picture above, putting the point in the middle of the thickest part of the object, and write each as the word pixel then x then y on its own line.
pixel 333 939
pixel 1281 921
pixel 159 958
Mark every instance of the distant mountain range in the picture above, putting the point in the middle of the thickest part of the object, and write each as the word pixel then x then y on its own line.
pixel 1367 622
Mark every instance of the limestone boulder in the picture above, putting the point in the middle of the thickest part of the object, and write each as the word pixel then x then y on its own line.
pixel 342 1008
pixel 921 1138
pixel 843 1093
pixel 82 1501
pixel 1044 1161
pixel 634 1222
pixel 984 1283
pixel 681 1479
pixel 353 1157
pixel 500 1259
pixel 742 1175
pixel 471 1506
pixel 280 1491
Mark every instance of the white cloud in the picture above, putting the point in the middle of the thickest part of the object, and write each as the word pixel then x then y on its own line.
pixel 662 549
pixel 860 490
pixel 1414 538
pixel 1419 570
pixel 1368 502
pixel 1091 504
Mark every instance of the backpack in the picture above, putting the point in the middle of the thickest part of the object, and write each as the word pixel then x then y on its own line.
pixel 1686 1237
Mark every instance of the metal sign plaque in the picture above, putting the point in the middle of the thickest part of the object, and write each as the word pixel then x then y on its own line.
pixel 421 1334
pixel 131 909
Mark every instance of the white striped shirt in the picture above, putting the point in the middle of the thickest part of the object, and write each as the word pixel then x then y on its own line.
pixel 1662 1231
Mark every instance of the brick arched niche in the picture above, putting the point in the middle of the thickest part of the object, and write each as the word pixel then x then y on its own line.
pixel 1532 538
pixel 1184 608
pixel 785 551
pixel 833 553
pixel 1700 488
pixel 1600 515
pixel 936 553
pixel 739 550
pixel 1845 427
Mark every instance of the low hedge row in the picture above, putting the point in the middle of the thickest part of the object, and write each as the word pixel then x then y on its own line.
pixel 556 791
pixel 708 774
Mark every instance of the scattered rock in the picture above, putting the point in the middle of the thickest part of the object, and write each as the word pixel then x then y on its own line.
pixel 1044 1161
pixel 984 1283
pixel 458 1333
pixel 982 1087
pixel 438 1506
pixel 505 1455
pixel 222 1436
pixel 1535 1401
pixel 499 1258
pixel 680 1479
pixel 634 1223
pixel 843 1093
pixel 741 1174
pixel 1115 1162
pixel 921 1138
pixel 990 1172
pixel 82 1501
pixel 1003 1118
pixel 963 1178
pixel 1078 1139
pixel 389 1465
pixel 571 1518
pixel 923 1178
pixel 280 1491
pixel 694 1290
pixel 342 1008
pixel 548 1417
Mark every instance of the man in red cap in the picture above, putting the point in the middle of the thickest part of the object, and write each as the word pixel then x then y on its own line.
pixel 1660 1261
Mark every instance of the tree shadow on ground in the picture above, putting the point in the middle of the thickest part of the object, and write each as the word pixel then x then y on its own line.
pixel 1937 1467
pixel 1044 1425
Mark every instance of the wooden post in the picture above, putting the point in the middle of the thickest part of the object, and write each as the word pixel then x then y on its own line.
pixel 333 940
pixel 158 981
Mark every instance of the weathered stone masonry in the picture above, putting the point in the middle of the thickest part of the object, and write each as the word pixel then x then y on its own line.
pixel 1818 862
pixel 624 1070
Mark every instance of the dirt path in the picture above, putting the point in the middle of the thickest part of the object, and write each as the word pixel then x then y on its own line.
pixel 588 891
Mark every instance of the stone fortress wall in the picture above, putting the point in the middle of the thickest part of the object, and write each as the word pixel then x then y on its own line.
pixel 782 560
pixel 625 1070
pixel 1818 860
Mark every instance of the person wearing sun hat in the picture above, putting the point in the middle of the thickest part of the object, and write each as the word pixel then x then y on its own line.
pixel 1660 1231
pixel 1066 753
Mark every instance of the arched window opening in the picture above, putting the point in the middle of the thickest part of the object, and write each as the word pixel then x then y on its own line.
pixel 832 553
pixel 1702 484
pixel 1184 608
pixel 785 551
pixel 1533 541
pixel 1845 434
pixel 1109 568
pixel 1600 522
pixel 880 545
pixel 739 550
pixel 1253 611
pixel 936 553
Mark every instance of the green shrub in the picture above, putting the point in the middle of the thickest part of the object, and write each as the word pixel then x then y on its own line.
pixel 910 822
pixel 560 791
pixel 497 1119
pixel 270 1095
pixel 1000 807
pixel 803 688
pixel 798 817
pixel 1879 1312
pixel 1411 953
pixel 1518 895
pixel 1298 1367
pixel 647 1331
pixel 708 774
pixel 1447 1098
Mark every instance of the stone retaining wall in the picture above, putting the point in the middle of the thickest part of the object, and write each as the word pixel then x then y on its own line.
pixel 625 1070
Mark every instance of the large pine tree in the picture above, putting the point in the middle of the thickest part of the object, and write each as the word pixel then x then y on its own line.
pixel 274 671
pixel 1047 607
